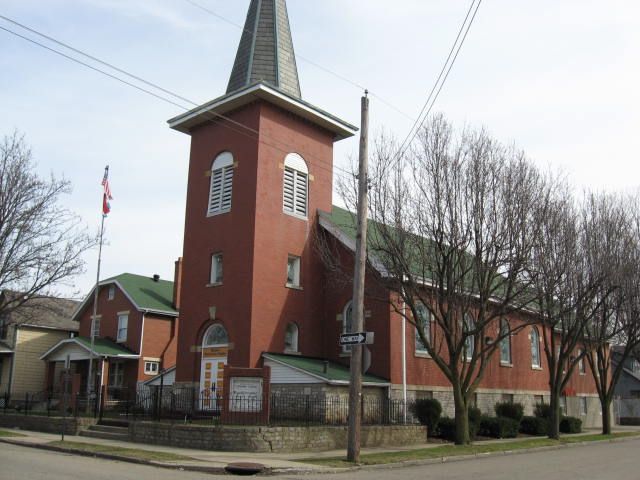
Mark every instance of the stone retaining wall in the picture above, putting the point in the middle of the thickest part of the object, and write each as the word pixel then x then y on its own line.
pixel 38 423
pixel 270 439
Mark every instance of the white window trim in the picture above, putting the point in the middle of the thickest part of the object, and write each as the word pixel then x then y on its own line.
pixel 149 371
pixel 535 366
pixel 422 351
pixel 122 316
pixel 297 281
pixel 95 325
pixel 469 338
pixel 509 362
pixel 296 343
pixel 111 293
pixel 223 166
pixel 213 274
pixel 296 167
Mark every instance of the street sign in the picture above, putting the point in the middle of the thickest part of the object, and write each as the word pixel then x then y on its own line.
pixel 356 338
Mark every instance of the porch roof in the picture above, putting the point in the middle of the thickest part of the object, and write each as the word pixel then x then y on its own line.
pixel 335 374
pixel 81 347
pixel 4 348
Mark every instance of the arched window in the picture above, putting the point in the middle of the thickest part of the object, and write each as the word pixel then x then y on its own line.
pixel 291 338
pixel 535 348
pixel 505 343
pixel 423 323
pixel 296 182
pixel 215 336
pixel 221 184
pixel 347 323
pixel 469 341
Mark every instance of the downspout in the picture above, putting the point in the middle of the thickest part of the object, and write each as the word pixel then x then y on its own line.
pixel 140 356
pixel 404 356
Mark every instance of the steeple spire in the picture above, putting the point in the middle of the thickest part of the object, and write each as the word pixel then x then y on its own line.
pixel 265 53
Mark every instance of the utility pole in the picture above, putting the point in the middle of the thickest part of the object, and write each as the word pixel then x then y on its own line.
pixel 355 384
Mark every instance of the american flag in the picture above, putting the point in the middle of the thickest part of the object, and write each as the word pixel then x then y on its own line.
pixel 106 196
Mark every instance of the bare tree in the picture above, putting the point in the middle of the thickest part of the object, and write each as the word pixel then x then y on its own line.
pixel 452 231
pixel 41 242
pixel 612 224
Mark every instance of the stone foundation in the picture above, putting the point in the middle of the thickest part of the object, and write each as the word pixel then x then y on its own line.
pixel 37 423
pixel 270 439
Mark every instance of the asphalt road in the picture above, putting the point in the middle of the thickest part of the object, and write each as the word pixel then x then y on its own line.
pixel 609 461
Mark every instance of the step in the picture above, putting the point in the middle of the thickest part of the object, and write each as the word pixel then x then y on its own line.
pixel 105 435
pixel 109 429
pixel 114 422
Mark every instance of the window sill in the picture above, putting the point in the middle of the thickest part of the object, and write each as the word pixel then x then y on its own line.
pixel 421 355
pixel 293 287
pixel 533 367
pixel 506 365
pixel 291 352
pixel 583 373
pixel 215 214
pixel 295 215
pixel 213 285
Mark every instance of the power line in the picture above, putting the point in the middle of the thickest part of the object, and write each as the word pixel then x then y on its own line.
pixel 144 90
pixel 305 59
pixel 444 74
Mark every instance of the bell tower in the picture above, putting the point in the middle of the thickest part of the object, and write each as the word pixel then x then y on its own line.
pixel 260 169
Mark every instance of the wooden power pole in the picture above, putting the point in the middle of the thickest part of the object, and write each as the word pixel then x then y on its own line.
pixel 355 386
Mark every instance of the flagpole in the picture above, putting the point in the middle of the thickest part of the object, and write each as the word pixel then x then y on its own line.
pixel 90 380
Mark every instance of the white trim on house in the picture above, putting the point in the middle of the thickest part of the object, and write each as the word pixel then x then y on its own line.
pixel 89 298
pixel 219 106
pixel 308 377
pixel 84 347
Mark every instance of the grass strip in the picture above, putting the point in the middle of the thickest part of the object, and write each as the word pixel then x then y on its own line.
pixel 456 450
pixel 123 452
pixel 6 433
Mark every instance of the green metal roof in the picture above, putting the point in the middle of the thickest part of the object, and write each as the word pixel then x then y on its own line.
pixel 105 348
pixel 315 366
pixel 146 293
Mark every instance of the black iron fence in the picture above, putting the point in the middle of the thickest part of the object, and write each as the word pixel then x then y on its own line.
pixel 188 405
pixel 49 403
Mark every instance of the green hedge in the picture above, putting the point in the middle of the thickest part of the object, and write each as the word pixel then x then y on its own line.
pixel 447 429
pixel 509 410
pixel 570 425
pixel 542 410
pixel 534 426
pixel 498 427
pixel 427 411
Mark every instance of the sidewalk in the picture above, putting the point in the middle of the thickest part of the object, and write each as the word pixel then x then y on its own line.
pixel 215 462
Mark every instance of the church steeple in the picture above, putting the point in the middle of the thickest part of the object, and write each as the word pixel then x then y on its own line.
pixel 265 53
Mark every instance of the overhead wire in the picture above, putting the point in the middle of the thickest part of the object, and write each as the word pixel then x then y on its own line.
pixel 441 80
pixel 153 94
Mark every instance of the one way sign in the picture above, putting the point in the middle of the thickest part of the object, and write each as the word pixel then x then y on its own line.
pixel 356 338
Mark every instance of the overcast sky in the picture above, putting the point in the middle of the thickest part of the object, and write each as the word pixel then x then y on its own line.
pixel 558 78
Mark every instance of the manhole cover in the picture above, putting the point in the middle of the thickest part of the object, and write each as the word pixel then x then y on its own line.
pixel 244 468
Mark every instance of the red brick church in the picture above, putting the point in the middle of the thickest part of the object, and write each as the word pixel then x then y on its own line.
pixel 253 289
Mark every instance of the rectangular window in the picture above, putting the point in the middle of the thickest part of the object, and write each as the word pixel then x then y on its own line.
pixel 116 374
pixel 111 294
pixel 507 398
pixel 293 271
pixel 3 328
pixel 583 405
pixel 123 323
pixel 95 327
pixel 563 405
pixel 581 365
pixel 216 269
pixel 295 192
pixel 424 322
pixel 538 399
pixel 151 368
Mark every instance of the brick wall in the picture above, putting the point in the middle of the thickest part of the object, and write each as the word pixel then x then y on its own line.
pixel 271 439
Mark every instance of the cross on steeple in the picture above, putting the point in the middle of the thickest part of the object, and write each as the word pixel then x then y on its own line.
pixel 265 53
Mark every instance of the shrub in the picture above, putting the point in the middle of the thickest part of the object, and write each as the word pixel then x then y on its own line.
pixel 498 427
pixel 542 410
pixel 534 425
pixel 427 411
pixel 447 429
pixel 570 425
pixel 510 410
pixel 474 421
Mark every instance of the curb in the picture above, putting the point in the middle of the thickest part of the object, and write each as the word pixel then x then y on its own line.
pixel 268 471
pixel 456 458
